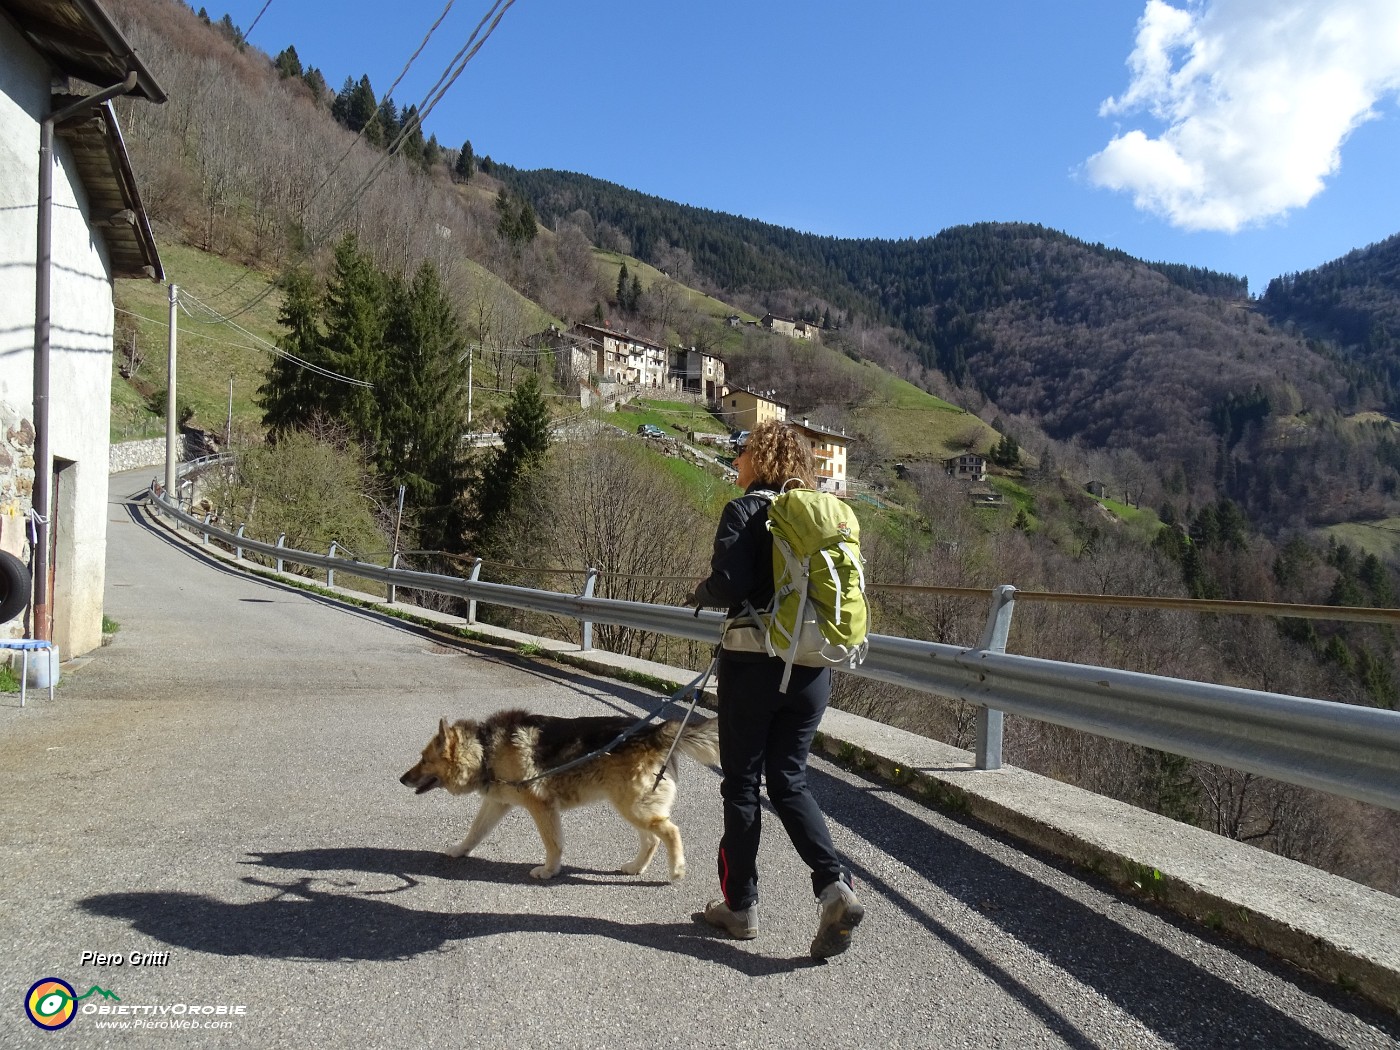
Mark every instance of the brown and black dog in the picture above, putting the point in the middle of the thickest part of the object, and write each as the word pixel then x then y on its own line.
pixel 497 756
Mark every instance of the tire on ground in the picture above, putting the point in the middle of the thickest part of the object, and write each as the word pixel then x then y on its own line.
pixel 14 587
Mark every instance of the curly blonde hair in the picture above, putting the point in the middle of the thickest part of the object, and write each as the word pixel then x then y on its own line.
pixel 778 453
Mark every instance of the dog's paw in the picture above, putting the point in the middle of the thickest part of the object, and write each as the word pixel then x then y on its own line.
pixel 544 871
pixel 678 873
pixel 632 868
pixel 459 850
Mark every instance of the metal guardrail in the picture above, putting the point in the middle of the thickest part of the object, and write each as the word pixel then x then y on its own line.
pixel 1333 747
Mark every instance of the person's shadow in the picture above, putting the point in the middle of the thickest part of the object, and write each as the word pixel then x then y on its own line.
pixel 329 917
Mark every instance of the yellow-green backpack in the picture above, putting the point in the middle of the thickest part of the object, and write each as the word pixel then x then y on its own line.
pixel 819 616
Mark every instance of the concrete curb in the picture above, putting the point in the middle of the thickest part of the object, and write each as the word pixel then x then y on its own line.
pixel 1328 926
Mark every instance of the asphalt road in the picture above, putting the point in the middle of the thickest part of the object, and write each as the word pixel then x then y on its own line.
pixel 217 793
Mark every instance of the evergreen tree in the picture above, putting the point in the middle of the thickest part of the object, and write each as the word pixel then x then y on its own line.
pixel 527 226
pixel 354 339
pixel 466 163
pixel 287 63
pixel 634 294
pixel 422 403
pixel 292 394
pixel 314 80
pixel 354 107
pixel 524 443
pixel 231 32
pixel 432 152
pixel 1006 452
pixel 620 295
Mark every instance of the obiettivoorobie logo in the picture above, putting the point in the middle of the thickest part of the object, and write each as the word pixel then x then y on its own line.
pixel 51 1002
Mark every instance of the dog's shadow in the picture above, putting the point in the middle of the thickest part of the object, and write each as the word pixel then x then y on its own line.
pixel 325 918
pixel 411 865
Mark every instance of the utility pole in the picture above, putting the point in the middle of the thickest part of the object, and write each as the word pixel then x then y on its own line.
pixel 171 493
pixel 228 430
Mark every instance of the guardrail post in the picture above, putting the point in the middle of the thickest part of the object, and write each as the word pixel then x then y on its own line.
pixel 281 542
pixel 207 518
pixel 330 573
pixel 994 635
pixel 238 551
pixel 393 590
pixel 587 625
pixel 471 605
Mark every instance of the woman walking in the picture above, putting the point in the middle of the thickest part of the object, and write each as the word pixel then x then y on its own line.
pixel 764 733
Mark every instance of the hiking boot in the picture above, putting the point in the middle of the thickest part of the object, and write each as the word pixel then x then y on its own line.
pixel 741 925
pixel 840 914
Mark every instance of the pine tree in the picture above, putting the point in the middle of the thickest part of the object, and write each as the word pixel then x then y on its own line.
pixel 354 339
pixel 423 403
pixel 466 164
pixel 524 443
pixel 620 296
pixel 316 81
pixel 287 63
pixel 292 394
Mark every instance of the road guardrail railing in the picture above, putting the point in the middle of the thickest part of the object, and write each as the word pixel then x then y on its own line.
pixel 1333 747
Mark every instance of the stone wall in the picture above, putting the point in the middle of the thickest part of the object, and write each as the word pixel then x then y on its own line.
pixel 132 455
pixel 16 478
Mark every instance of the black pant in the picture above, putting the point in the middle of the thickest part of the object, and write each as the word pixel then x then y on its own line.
pixel 764 733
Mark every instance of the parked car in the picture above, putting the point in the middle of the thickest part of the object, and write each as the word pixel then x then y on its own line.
pixel 651 430
pixel 739 438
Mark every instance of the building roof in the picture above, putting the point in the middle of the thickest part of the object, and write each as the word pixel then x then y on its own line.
pixel 80 39
pixel 812 428
pixel 758 396
pixel 626 337
pixel 114 204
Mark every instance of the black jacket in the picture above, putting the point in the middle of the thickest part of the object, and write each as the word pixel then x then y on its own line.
pixel 741 568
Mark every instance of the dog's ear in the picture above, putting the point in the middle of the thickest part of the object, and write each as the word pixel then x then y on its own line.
pixel 442 728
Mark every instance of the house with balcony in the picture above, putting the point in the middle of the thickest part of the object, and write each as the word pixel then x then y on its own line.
pixel 626 358
pixel 71 222
pixel 967 467
pixel 829 448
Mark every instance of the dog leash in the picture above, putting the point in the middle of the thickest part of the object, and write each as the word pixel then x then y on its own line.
pixel 693 687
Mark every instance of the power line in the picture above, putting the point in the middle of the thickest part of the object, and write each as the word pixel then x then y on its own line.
pixel 450 74
pixel 249 31
pixel 273 348
pixel 380 105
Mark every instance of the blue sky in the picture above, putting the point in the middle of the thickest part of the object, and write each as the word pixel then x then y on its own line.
pixel 1254 138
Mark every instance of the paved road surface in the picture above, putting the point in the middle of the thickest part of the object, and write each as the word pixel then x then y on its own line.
pixel 218 792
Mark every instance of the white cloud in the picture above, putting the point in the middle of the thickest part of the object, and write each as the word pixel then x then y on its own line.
pixel 1256 99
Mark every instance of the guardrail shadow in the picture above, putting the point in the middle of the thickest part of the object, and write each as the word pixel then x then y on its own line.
pixel 1184 1003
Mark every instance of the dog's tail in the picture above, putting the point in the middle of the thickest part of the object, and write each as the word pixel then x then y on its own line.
pixel 698 740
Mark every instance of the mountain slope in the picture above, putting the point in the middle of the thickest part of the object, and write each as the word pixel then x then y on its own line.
pixel 1353 303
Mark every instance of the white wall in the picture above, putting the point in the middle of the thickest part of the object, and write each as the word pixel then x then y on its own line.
pixel 80 339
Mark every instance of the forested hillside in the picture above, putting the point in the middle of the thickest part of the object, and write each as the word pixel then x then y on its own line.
pixel 1169 372
pixel 1353 304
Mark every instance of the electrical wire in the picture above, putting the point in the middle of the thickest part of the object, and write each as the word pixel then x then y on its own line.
pixel 435 95
pixel 387 95
pixel 249 31
pixel 271 348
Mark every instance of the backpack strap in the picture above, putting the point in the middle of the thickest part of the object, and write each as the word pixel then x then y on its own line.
pixel 835 579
